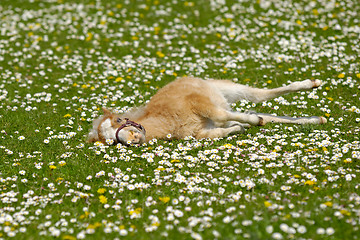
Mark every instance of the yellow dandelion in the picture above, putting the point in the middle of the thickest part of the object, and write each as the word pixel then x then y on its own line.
pixel 94 226
pixel 160 54
pixel 164 199
pixel 310 182
pixel 101 190
pixel 136 211
pixel 59 179
pixel 89 36
pixel 85 215
pixel 348 160
pixel 118 79
pixel 345 212
pixel 267 204
pixel 68 237
pixel 102 199
pixel 157 30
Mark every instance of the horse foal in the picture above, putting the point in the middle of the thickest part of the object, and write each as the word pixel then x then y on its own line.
pixel 194 107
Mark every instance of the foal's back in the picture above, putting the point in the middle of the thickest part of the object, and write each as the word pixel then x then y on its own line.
pixel 181 92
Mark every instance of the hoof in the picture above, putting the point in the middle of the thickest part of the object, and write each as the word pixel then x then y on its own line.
pixel 323 120
pixel 316 83
pixel 250 112
pixel 261 122
pixel 241 129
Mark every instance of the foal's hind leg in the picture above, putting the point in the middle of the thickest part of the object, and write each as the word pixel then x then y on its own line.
pixel 203 106
pixel 234 92
pixel 268 118
pixel 219 132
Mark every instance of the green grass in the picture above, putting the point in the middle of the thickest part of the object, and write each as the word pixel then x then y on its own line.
pixel 61 62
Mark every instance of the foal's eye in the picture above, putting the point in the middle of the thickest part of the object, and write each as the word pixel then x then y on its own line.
pixel 118 120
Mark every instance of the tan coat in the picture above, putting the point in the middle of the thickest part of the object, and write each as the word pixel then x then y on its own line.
pixel 195 107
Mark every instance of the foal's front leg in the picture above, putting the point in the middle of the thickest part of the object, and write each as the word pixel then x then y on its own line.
pixel 219 132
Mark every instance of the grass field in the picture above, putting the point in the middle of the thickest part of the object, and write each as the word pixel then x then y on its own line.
pixel 61 62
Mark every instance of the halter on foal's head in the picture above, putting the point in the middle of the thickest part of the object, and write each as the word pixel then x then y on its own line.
pixel 129 123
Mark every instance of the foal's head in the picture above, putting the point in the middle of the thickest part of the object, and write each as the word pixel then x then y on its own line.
pixel 114 128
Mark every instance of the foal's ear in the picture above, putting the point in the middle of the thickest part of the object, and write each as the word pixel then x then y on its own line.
pixel 92 138
pixel 106 112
